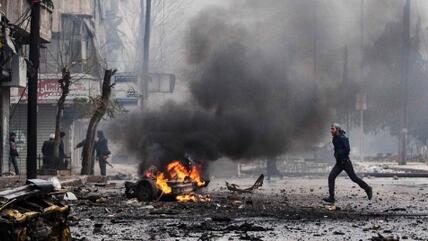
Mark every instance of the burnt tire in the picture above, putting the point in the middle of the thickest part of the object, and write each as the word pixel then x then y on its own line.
pixel 146 191
pixel 130 189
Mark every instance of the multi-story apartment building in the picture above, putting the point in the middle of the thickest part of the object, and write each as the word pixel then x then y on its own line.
pixel 75 43
pixel 14 38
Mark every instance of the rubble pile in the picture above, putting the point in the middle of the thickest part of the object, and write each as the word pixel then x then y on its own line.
pixel 34 212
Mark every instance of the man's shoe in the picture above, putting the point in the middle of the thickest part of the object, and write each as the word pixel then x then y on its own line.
pixel 329 199
pixel 369 192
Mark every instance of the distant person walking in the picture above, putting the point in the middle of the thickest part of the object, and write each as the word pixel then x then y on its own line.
pixel 13 152
pixel 343 163
pixel 102 152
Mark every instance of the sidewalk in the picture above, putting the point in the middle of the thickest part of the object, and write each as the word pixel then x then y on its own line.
pixel 419 167
pixel 128 169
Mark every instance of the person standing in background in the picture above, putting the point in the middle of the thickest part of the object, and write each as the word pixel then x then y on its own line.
pixel 48 153
pixel 102 151
pixel 13 152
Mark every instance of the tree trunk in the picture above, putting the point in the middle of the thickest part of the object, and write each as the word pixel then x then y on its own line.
pixel 64 83
pixel 102 105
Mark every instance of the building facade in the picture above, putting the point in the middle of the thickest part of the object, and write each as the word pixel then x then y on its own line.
pixel 14 38
pixel 75 43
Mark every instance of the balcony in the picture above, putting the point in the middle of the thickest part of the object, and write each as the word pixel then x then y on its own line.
pixel 18 13
pixel 81 8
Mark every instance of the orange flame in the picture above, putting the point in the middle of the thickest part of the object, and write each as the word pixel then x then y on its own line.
pixel 192 197
pixel 176 171
pixel 161 183
pixel 187 198
pixel 179 172
pixel 196 176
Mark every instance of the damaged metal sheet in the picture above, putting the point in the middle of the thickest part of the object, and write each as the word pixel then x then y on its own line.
pixel 235 188
pixel 34 212
pixel 33 188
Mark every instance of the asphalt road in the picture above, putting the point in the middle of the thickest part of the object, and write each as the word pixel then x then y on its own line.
pixel 284 209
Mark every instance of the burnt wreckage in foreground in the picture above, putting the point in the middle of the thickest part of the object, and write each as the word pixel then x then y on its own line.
pixel 178 182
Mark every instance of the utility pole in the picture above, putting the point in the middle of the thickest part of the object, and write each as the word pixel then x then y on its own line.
pixel 315 43
pixel 346 87
pixel 405 51
pixel 363 97
pixel 32 91
pixel 146 47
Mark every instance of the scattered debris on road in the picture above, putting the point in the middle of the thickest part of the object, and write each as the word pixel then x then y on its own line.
pixel 34 212
pixel 380 237
pixel 235 188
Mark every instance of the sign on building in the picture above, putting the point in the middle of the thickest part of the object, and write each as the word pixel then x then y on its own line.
pixel 126 90
pixel 49 91
pixel 161 83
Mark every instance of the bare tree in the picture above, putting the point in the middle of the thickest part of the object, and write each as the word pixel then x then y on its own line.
pixel 102 105
pixel 64 84
pixel 65 58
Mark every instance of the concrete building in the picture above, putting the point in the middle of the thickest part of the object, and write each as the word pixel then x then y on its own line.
pixel 15 25
pixel 76 30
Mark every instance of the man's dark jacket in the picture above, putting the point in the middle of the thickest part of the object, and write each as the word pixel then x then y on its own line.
pixel 12 148
pixel 101 147
pixel 48 154
pixel 48 148
pixel 341 147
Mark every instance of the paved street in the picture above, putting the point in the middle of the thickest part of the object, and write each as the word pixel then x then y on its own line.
pixel 285 209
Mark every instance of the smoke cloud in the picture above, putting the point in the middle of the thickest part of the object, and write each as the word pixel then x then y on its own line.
pixel 251 95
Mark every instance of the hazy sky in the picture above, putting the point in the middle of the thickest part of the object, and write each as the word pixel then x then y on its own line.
pixel 340 17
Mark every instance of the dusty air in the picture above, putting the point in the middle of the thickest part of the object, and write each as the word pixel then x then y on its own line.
pixel 202 120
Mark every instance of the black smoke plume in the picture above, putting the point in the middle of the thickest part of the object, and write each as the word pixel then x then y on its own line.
pixel 245 101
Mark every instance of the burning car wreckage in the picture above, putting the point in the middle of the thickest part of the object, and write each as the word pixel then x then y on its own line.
pixel 179 182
